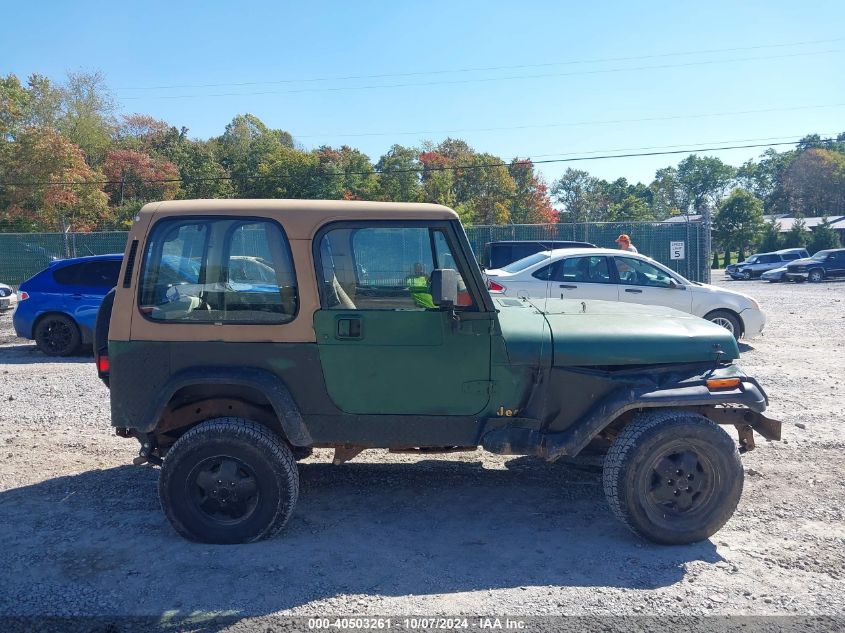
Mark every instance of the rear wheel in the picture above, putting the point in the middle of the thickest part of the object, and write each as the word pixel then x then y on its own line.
pixel 228 480
pixel 816 275
pixel 727 320
pixel 57 335
pixel 673 477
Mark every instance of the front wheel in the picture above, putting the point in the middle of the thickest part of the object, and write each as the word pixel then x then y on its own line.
pixel 727 320
pixel 816 275
pixel 746 275
pixel 673 477
pixel 228 480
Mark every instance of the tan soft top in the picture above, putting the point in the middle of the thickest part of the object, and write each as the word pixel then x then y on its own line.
pixel 302 218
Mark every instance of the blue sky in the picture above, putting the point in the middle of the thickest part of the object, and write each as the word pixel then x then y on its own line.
pixel 548 97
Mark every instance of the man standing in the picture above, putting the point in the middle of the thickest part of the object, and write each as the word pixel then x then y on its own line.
pixel 624 243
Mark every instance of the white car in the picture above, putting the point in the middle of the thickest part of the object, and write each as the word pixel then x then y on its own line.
pixel 614 275
pixel 8 298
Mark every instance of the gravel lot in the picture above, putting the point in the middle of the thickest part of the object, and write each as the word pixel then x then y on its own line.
pixel 82 531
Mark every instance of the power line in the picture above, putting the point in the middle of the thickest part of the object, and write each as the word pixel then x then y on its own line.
pixel 488 68
pixel 483 79
pixel 415 169
pixel 704 115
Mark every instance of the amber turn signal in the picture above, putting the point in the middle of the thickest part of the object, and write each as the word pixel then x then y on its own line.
pixel 722 383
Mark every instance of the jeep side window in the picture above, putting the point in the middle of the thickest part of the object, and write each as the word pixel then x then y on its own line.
pixel 220 270
pixel 383 268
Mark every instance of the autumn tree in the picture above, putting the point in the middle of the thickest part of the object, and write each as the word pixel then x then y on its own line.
pixel 438 178
pixel 531 201
pixel 139 176
pixel 487 188
pixel 345 173
pixel 42 155
pixel 814 183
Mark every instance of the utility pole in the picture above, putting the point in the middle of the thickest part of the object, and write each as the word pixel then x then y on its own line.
pixel 707 244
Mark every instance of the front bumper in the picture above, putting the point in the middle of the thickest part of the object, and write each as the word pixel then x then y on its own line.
pixel 796 276
pixel 753 321
pixel 9 302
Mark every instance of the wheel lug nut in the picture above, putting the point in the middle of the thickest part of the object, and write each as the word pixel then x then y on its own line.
pixel 669 482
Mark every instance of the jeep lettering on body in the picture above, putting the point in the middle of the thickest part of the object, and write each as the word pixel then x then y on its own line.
pixel 244 333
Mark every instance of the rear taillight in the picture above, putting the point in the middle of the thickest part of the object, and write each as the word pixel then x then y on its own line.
pixel 23 296
pixel 492 286
pixel 103 364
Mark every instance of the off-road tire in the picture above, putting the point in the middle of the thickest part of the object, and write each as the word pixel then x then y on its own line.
pixel 57 335
pixel 257 451
pixel 628 473
pixel 721 316
pixel 816 275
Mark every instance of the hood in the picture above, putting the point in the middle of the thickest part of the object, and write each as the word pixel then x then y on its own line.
pixel 606 333
pixel 805 261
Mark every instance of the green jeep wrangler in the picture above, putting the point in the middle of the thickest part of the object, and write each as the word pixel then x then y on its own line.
pixel 244 333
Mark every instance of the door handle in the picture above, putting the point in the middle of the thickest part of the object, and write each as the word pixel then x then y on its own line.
pixel 349 328
pixel 568 287
pixel 634 290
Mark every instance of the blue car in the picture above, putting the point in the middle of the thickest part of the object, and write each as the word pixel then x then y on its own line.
pixel 58 306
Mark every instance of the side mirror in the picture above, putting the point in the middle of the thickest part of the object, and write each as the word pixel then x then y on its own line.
pixel 444 287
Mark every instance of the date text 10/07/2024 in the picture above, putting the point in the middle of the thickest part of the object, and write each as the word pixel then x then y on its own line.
pixel 417 623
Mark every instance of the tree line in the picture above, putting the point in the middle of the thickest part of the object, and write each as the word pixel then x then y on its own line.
pixel 106 164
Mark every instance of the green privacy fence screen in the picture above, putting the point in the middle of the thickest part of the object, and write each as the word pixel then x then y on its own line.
pixel 24 254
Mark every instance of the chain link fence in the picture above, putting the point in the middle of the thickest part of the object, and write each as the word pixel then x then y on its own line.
pixel 679 245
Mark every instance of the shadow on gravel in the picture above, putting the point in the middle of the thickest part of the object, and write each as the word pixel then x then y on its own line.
pixel 28 353
pixel 98 541
pixel 745 347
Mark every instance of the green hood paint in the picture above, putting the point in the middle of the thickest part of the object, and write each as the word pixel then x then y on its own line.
pixel 591 333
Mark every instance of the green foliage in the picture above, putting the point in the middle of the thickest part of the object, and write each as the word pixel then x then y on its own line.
pixel 797 236
pixel 771 239
pixel 44 155
pixel 739 220
pixel 74 121
pixel 400 178
pixel 715 264
pixel 824 237
pixel 703 181
pixel 727 259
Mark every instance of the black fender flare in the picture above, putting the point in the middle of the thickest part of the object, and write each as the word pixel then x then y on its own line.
pixel 270 385
pixel 619 401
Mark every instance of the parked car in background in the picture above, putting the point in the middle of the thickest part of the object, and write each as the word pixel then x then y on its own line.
pixel 8 298
pixel 614 275
pixel 760 263
pixel 498 254
pixel 775 275
pixel 58 307
pixel 822 265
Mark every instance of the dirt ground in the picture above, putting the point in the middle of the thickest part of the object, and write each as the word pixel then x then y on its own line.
pixel 82 531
